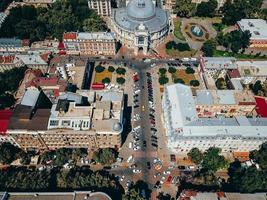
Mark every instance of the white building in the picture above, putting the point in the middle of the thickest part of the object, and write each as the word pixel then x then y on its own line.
pixel 257 29
pixel 102 7
pixel 141 25
pixel 186 130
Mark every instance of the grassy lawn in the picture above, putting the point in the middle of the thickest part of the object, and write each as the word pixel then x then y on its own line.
pixel 219 26
pixel 100 76
pixel 181 54
pixel 177 30
pixel 180 73
pixel 219 53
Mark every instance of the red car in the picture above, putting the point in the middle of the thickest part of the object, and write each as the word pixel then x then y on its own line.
pixel 169 179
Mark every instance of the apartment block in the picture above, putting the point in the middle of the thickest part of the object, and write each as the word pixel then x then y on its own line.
pixel 85 43
pixel 102 7
pixel 186 129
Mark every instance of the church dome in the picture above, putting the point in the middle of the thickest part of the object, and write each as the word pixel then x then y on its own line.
pixel 141 10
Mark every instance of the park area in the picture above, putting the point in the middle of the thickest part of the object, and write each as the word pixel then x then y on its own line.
pixel 181 74
pixel 102 75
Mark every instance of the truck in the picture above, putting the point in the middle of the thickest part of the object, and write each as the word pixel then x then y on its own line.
pixel 130 159
pixel 130 145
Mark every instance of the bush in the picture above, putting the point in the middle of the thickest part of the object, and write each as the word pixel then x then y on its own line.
pixel 178 80
pixel 171 70
pixel 99 68
pixel 106 80
pixel 177 46
pixel 194 83
pixel 121 71
pixel 111 69
pixel 163 80
pixel 120 80
pixel 162 71
pixel 190 70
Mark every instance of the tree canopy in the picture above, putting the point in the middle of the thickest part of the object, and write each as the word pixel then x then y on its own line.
pixel 207 9
pixel 212 160
pixel 106 80
pixel 189 70
pixel 171 70
pixel 184 8
pixel 99 68
pixel 196 155
pixel 105 156
pixel 111 69
pixel 8 153
pixel 163 80
pixel 209 47
pixel 121 70
pixel 120 80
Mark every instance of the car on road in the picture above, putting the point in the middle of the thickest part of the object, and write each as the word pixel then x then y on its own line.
pixel 169 179
pixel 143 108
pixel 144 144
pixel 153 129
pixel 137 171
pixel 157 184
pixel 167 172
pixel 148 165
pixel 157 174
pixel 181 167
pixel 122 178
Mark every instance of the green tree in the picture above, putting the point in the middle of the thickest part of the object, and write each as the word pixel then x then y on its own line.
pixel 194 83
pixel 209 47
pixel 189 70
pixel 212 160
pixel 196 155
pixel 111 69
pixel 171 70
pixel 184 8
pixel 99 69
pixel 6 101
pixel 207 9
pixel 163 80
pixel 162 71
pixel 25 158
pixel 8 153
pixel 94 24
pixel 260 156
pixel 105 156
pixel 106 80
pixel 179 80
pixel 120 80
pixel 220 83
pixel 120 70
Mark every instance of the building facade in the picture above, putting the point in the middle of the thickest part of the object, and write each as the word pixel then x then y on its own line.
pixel 102 7
pixel 141 25
pixel 84 120
pixel 186 130
pixel 84 43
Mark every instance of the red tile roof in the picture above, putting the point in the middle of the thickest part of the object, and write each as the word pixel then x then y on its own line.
pixel 234 73
pixel 7 59
pixel 70 36
pixel 5 116
pixel 261 106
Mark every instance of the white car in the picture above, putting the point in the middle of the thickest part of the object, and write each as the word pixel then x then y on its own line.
pixel 167 172
pixel 122 178
pixel 136 171
pixel 156 160
pixel 136 148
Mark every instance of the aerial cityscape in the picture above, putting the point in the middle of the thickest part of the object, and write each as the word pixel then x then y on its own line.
pixel 133 100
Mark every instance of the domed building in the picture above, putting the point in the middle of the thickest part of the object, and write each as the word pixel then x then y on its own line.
pixel 141 25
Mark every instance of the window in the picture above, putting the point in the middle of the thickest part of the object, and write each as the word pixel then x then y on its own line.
pixel 66 122
pixel 53 122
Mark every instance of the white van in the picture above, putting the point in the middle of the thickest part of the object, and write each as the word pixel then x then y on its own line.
pixel 129 159
pixel 130 145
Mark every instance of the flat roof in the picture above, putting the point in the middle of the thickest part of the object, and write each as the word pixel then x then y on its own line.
pixel 226 97
pixel 252 68
pixel 96 36
pixel 256 27
pixel 220 62
pixel 204 97
pixel 31 59
pixel 30 97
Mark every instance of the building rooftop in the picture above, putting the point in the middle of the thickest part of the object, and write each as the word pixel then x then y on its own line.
pixel 10 42
pixel 261 106
pixel 219 63
pixel 184 120
pixel 77 195
pixel 30 97
pixel 31 59
pixel 96 36
pixel 5 116
pixel 252 68
pixel 256 27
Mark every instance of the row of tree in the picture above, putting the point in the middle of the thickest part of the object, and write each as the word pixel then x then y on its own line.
pixel 232 11
pixel 38 23
pixel 242 178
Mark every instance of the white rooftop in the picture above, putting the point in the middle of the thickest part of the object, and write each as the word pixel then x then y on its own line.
pixel 183 116
pixel 256 27
pixel 31 59
pixel 30 97
pixel 219 62
pixel 252 68
pixel 96 36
